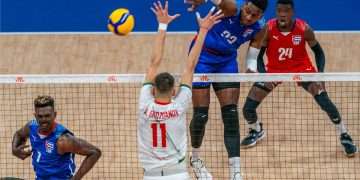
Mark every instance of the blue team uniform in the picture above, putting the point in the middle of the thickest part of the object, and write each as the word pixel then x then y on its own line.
pixel 47 163
pixel 219 52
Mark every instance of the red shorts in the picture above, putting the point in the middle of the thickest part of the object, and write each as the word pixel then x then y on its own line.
pixel 300 69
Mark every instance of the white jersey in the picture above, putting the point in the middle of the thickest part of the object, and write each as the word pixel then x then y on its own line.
pixel 162 139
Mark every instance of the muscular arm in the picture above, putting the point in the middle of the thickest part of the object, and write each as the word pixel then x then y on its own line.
pixel 70 144
pixel 163 18
pixel 205 24
pixel 156 56
pixel 316 48
pixel 254 50
pixel 19 141
pixel 187 75
pixel 260 61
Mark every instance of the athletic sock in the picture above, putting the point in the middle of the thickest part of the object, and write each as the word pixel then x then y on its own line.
pixel 255 126
pixel 234 165
pixel 195 153
pixel 340 128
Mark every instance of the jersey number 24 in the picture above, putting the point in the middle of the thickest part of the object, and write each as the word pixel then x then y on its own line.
pixel 285 53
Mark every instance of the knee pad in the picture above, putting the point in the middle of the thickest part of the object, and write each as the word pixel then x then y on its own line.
pixel 326 105
pixel 200 117
pixel 197 125
pixel 230 118
pixel 249 110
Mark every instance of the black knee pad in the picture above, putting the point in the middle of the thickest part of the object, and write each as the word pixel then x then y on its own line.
pixel 249 110
pixel 326 105
pixel 197 125
pixel 230 118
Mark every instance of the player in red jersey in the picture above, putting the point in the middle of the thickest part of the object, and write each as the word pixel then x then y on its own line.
pixel 285 46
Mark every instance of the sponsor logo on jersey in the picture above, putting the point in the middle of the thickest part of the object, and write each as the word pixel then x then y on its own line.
pixel 296 39
pixel 49 146
pixel 247 32
pixel 276 37
pixel 34 138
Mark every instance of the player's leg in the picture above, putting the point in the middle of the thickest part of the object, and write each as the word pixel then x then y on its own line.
pixel 317 89
pixel 201 101
pixel 228 95
pixel 256 95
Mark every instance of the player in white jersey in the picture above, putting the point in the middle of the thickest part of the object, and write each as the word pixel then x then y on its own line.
pixel 162 131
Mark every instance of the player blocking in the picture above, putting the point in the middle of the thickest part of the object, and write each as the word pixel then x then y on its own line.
pixel 162 131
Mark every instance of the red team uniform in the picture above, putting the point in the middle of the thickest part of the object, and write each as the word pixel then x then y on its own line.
pixel 286 51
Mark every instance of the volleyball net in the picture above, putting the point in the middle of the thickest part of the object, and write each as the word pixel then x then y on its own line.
pixel 300 143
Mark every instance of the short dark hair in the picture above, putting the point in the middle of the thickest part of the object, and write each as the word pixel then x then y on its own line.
pixel 290 2
pixel 261 4
pixel 44 101
pixel 164 82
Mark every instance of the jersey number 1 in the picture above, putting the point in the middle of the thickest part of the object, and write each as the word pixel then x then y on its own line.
pixel 154 127
pixel 285 53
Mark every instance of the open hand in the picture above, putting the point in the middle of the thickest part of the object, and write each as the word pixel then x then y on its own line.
pixel 162 14
pixel 210 19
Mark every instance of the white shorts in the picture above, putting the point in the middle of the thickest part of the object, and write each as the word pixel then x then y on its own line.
pixel 181 176
pixel 175 172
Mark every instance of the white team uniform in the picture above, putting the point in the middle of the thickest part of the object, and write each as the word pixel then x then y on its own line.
pixel 162 133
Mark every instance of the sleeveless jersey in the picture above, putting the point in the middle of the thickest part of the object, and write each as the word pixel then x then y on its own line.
pixel 47 163
pixel 287 53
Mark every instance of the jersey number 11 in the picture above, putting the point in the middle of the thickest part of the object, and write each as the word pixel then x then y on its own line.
pixel 155 127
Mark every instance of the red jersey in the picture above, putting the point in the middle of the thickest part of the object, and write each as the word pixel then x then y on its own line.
pixel 286 52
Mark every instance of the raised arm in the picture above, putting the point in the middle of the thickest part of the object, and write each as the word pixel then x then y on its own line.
pixel 228 7
pixel 19 149
pixel 205 24
pixel 253 54
pixel 316 48
pixel 164 19
pixel 68 143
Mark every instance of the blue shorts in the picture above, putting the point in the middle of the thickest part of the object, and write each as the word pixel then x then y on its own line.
pixel 224 67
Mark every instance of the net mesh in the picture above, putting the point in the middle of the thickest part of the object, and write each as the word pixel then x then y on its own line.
pixel 300 143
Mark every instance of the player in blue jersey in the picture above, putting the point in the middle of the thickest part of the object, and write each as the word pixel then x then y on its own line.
pixel 53 146
pixel 219 53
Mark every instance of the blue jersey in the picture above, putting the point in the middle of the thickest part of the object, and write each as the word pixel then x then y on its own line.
pixel 223 40
pixel 47 163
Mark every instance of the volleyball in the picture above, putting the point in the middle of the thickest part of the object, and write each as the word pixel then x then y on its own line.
pixel 121 22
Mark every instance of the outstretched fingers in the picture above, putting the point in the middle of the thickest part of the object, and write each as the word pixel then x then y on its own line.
pixel 174 16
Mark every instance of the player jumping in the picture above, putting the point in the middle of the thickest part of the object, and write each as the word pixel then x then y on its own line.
pixel 219 55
